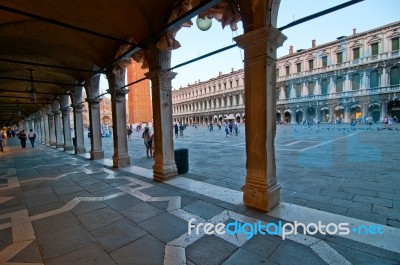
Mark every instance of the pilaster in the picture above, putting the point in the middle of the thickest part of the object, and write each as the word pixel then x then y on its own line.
pixel 96 151
pixel 57 123
pixel 65 110
pixel 78 121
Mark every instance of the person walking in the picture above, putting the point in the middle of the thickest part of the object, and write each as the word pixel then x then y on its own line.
pixel 32 137
pixel 176 129
pixel 2 136
pixel 181 128
pixel 129 132
pixel 147 142
pixel 22 138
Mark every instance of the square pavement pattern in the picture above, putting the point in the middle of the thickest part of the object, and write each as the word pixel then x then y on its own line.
pixel 58 208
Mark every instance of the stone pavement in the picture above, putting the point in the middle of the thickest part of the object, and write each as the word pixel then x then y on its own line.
pixel 58 208
pixel 351 171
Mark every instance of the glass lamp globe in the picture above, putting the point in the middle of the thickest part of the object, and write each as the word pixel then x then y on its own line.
pixel 203 23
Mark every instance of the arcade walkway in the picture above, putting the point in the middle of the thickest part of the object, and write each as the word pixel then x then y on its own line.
pixel 59 208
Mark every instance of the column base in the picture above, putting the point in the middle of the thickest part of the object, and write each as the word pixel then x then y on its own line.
pixel 68 147
pixel 162 172
pixel 80 150
pixel 60 145
pixel 261 199
pixel 99 154
pixel 121 161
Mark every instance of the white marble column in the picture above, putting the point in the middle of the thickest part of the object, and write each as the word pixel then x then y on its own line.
pixel 57 123
pixel 384 105
pixel 331 112
pixel 116 81
pixel 261 189
pixel 52 128
pixel 293 115
pixel 78 120
pixel 65 110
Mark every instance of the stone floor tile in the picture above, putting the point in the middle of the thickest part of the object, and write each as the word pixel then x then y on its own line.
pixel 91 254
pixel 42 200
pixel 144 251
pixel 95 219
pixel 45 208
pixel 289 253
pixel 118 234
pixel 87 207
pixel 30 254
pixel 141 212
pixel 53 223
pixel 203 209
pixel 63 241
pixel 97 187
pixel 262 245
pixel 122 202
pixel 243 257
pixel 165 227
pixel 210 250
pixel 5 237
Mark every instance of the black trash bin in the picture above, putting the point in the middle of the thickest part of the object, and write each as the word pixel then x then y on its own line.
pixel 74 141
pixel 182 160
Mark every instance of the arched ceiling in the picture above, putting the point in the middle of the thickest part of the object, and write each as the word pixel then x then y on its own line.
pixel 63 41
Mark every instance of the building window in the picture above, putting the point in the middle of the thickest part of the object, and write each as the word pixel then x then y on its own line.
pixel 231 84
pixel 298 90
pixel 395 44
pixel 287 70
pixel 277 94
pixel 298 65
pixel 277 72
pixel 339 57
pixel 356 53
pixel 287 92
pixel 395 76
pixel 374 79
pixel 355 82
pixel 225 86
pixel 324 87
pixel 339 85
pixel 374 49
pixel 324 61
pixel 310 65
pixel 237 83
pixel 311 87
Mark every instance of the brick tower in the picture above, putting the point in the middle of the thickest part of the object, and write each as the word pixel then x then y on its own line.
pixel 139 96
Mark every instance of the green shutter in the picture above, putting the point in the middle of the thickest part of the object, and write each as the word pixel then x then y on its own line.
pixel 356 53
pixel 374 48
pixel 324 61
pixel 299 67
pixel 310 64
pixel 395 44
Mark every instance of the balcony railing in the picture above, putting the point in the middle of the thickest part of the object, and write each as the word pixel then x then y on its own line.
pixel 346 94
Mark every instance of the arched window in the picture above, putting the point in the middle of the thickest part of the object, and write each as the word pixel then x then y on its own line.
pixel 374 79
pixel 355 82
pixel 395 76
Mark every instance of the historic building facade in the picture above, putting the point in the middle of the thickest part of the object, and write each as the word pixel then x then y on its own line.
pixel 352 77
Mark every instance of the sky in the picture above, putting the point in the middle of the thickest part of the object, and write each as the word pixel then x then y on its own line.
pixel 363 16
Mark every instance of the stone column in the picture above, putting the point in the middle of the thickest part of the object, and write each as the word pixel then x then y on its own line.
pixel 78 120
pixel 293 115
pixel 93 89
pixel 331 112
pixel 383 77
pixel 346 113
pixel 116 82
pixel 57 122
pixel 47 129
pixel 96 151
pixel 384 105
pixel 164 165
pixel 261 189
pixel 52 128
pixel 364 106
pixel 65 110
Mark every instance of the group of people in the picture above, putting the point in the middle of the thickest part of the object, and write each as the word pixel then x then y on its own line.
pixel 179 129
pixel 22 136
pixel 147 137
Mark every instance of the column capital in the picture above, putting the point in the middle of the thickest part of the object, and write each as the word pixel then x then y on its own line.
pixel 261 38
pixel 94 100
pixel 161 73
